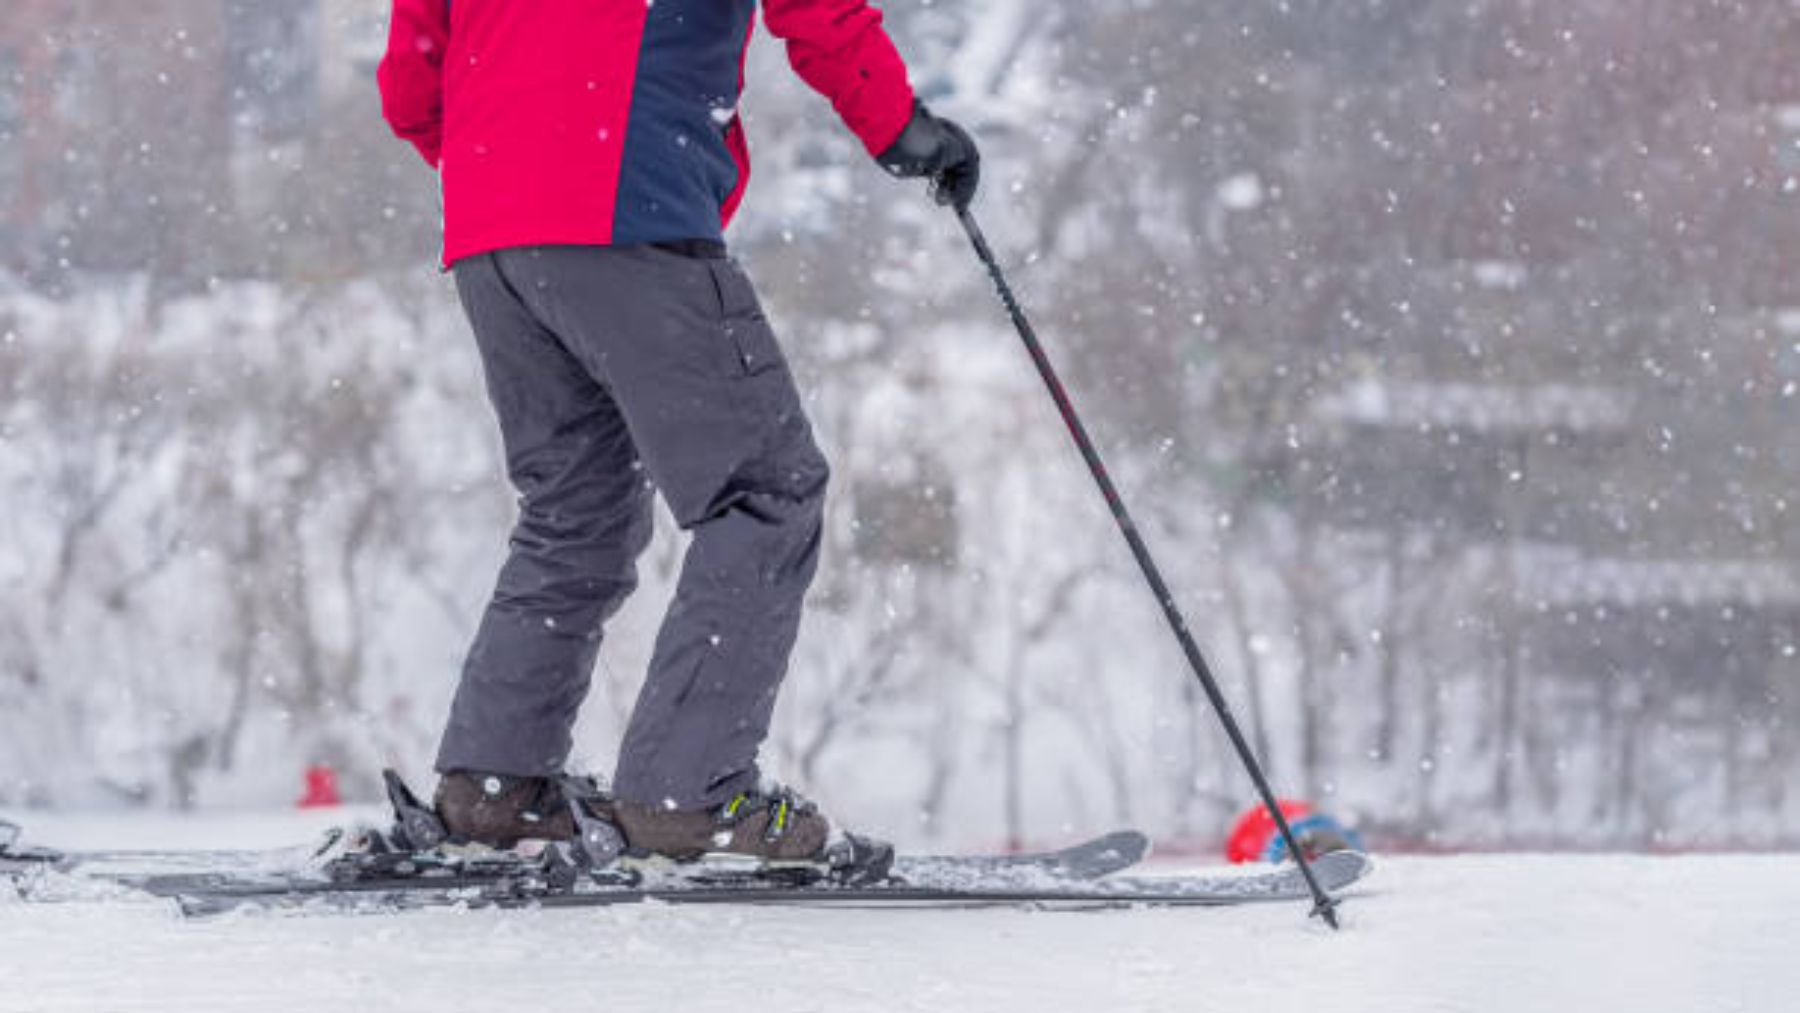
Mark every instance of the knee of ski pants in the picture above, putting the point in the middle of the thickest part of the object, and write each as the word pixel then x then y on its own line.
pixel 605 515
pixel 784 492
pixel 576 565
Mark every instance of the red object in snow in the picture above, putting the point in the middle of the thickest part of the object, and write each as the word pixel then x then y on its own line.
pixel 1255 830
pixel 321 788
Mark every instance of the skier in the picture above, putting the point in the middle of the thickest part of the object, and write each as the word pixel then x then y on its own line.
pixel 591 154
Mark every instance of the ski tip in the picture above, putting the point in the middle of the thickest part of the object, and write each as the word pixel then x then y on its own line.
pixel 9 835
pixel 1350 858
pixel 1129 844
pixel 1338 869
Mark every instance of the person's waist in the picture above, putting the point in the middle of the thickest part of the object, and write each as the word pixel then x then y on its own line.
pixel 701 249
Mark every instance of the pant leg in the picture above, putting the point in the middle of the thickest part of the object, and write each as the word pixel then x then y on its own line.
pixel 683 346
pixel 584 517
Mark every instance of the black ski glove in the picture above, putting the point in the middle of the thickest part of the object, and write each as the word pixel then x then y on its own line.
pixel 938 148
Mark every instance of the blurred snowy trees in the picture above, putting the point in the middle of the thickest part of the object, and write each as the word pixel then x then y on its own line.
pixel 1448 352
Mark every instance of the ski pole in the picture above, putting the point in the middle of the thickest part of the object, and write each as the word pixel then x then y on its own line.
pixel 1323 905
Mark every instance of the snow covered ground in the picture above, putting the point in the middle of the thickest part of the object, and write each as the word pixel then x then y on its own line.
pixel 1690 934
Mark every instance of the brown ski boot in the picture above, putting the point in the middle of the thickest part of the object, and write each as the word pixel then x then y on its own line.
pixel 499 810
pixel 776 825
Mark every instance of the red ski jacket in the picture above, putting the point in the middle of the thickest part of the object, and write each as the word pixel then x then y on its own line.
pixel 610 122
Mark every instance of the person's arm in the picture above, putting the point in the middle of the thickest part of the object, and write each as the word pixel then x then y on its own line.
pixel 839 48
pixel 412 74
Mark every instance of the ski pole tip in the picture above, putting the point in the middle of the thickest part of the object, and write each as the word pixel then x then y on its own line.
pixel 1326 909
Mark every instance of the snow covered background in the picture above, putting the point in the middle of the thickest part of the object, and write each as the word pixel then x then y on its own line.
pixel 1493 934
pixel 1448 353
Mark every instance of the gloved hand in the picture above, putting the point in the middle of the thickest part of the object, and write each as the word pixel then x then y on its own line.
pixel 938 148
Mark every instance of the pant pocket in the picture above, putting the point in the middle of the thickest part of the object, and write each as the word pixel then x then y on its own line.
pixel 745 327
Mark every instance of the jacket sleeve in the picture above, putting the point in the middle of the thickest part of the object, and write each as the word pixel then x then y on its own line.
pixel 839 48
pixel 412 74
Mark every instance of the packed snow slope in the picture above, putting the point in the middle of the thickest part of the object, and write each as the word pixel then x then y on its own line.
pixel 1689 934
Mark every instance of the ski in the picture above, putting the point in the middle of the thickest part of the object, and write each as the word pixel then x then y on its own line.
pixel 415 864
pixel 1090 859
pixel 1335 871
pixel 17 860
pixel 359 870
pixel 350 859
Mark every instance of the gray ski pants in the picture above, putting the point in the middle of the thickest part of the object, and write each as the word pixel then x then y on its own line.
pixel 616 371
